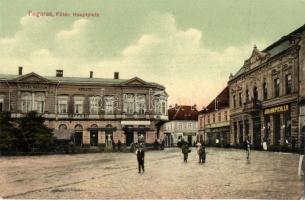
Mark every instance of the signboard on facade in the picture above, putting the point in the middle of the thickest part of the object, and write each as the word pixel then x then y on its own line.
pixel 277 109
pixel 135 122
pixel 189 134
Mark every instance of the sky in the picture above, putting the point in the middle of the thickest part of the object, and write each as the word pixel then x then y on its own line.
pixel 190 47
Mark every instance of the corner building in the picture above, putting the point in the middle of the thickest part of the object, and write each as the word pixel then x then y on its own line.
pixel 91 111
pixel 264 95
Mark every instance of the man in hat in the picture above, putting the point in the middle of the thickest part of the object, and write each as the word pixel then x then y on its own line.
pixel 140 157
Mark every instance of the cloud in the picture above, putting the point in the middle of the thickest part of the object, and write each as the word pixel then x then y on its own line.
pixel 165 53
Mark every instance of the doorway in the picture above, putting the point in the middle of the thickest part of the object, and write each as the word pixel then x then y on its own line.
pixel 256 132
pixel 94 135
pixel 277 130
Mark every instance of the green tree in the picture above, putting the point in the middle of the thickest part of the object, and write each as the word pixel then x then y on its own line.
pixel 34 135
pixel 7 133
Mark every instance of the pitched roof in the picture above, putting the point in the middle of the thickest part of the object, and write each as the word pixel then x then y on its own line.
pixel 275 48
pixel 221 101
pixel 183 113
pixel 79 80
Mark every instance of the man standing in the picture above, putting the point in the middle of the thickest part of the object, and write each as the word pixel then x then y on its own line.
pixel 248 148
pixel 140 156
pixel 185 150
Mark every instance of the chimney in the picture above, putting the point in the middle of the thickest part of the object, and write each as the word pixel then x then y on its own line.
pixel 19 70
pixel 91 74
pixel 59 73
pixel 116 75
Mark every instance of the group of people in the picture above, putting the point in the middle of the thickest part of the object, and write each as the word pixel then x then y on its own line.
pixel 200 151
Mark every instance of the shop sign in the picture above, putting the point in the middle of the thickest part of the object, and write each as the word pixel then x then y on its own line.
pixel 135 122
pixel 277 109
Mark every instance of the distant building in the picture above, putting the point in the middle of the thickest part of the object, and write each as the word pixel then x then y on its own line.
pixel 92 111
pixel 182 124
pixel 214 121
pixel 266 95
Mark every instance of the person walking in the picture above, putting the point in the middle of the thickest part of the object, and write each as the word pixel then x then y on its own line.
pixel 202 154
pixel 185 150
pixel 248 148
pixel 119 145
pixel 140 157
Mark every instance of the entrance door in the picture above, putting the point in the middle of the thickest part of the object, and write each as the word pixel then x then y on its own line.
pixel 94 137
pixel 277 129
pixel 129 136
pixel 241 134
pixel 256 132
pixel 189 139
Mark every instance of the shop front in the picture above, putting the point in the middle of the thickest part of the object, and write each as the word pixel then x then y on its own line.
pixel 277 126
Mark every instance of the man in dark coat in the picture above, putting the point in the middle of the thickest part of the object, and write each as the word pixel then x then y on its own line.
pixel 140 157
pixel 202 154
pixel 185 150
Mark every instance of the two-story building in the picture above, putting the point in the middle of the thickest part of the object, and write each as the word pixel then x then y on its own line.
pixel 264 94
pixel 94 111
pixel 182 124
pixel 214 121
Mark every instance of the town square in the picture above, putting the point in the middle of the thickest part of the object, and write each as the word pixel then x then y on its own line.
pixel 152 99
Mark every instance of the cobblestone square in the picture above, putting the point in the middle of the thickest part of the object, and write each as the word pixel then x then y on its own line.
pixel 227 174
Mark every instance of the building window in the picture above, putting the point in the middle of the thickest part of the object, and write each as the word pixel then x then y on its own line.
pixel 213 118
pixel 109 105
pixel 39 102
pixel 255 94
pixel 219 116
pixel 247 95
pixel 129 103
pixel 240 99
pixel 62 104
pixel 163 108
pixel 1 103
pixel 265 90
pixel 140 104
pixel 226 115
pixel 62 127
pixel 200 122
pixel 234 101
pixel 95 105
pixel 208 119
pixel 26 102
pixel 179 126
pixel 288 83
pixel 276 83
pixel 78 105
pixel 189 125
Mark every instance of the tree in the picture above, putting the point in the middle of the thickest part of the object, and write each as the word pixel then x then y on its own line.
pixel 7 133
pixel 34 135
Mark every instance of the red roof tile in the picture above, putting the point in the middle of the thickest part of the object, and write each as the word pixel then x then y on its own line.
pixel 183 113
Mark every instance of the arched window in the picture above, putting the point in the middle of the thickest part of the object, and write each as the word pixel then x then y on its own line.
pixel 94 126
pixel 265 90
pixel 26 102
pixel 62 127
pixel 255 95
pixel 78 128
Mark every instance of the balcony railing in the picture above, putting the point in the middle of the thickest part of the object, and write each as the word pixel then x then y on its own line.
pixel 252 106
